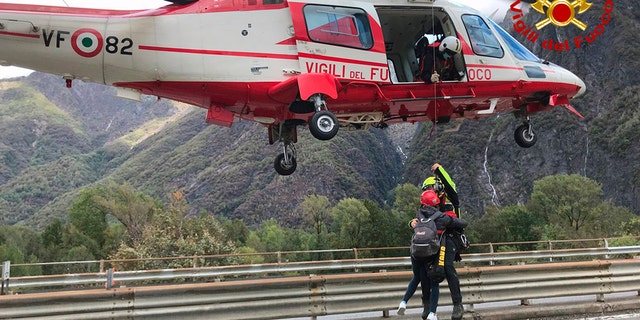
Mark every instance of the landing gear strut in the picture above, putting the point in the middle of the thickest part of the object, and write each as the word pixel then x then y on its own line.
pixel 524 134
pixel 285 163
pixel 323 124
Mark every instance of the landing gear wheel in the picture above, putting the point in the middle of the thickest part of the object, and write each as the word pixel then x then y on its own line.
pixel 323 125
pixel 525 137
pixel 284 167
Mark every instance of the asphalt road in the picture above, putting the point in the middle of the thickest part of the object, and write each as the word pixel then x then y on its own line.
pixel 444 312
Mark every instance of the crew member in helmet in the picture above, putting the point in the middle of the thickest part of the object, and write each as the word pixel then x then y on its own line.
pixel 444 187
pixel 419 266
pixel 442 184
pixel 430 289
pixel 437 63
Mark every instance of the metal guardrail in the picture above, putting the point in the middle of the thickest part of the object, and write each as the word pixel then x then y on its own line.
pixel 312 296
pixel 306 267
pixel 196 261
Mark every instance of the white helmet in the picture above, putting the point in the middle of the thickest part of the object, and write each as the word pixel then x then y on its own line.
pixel 450 45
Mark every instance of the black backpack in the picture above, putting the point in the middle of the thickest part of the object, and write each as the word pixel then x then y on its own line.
pixel 425 241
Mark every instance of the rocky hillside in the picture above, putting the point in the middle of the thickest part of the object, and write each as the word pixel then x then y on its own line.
pixel 55 141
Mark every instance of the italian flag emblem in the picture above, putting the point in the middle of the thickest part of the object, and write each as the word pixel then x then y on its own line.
pixel 87 42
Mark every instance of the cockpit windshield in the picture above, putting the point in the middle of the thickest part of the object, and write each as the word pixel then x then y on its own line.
pixel 518 50
pixel 483 41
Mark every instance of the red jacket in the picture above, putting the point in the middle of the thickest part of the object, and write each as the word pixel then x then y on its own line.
pixel 451 214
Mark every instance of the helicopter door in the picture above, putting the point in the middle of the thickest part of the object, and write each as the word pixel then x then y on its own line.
pixel 338 37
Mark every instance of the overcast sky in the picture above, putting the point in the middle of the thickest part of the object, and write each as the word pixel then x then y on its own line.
pixel 486 6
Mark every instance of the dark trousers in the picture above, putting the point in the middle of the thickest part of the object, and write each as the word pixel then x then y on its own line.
pixel 430 290
pixel 452 275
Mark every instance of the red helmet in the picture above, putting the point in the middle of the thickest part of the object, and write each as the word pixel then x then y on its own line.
pixel 429 198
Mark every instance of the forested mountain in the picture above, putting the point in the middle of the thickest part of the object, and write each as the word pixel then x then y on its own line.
pixel 55 141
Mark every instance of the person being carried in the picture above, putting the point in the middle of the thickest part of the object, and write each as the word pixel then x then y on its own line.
pixel 455 241
pixel 437 62
pixel 430 287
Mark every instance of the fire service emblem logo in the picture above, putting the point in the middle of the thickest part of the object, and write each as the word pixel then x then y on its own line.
pixel 561 13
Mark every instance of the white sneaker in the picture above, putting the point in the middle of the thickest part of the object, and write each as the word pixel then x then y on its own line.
pixel 401 308
pixel 432 316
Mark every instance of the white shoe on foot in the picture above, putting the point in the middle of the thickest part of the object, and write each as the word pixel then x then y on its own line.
pixel 432 316
pixel 401 308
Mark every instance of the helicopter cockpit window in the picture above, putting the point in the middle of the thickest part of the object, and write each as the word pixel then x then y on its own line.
pixel 483 41
pixel 518 50
pixel 338 25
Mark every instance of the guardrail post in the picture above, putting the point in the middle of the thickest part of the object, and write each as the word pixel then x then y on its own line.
pixel 606 246
pixel 550 247
pixel 195 261
pixel 355 256
pixel 101 266
pixel 110 281
pixel 491 262
pixel 6 274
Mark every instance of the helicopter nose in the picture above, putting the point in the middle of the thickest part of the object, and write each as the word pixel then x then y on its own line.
pixel 581 85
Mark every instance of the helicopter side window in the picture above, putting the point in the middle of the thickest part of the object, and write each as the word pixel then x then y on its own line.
pixel 338 25
pixel 483 41
pixel 272 1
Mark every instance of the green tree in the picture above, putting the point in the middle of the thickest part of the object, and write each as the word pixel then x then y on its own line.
pixel 405 205
pixel 249 258
pixel 27 240
pixel 407 201
pixel 254 242
pixel 52 234
pixel 608 220
pixel 574 208
pixel 90 210
pixel 317 212
pixel 78 253
pixel 349 221
pixel 237 230
pixel 66 242
pixel 509 224
pixel 272 236
pixel 21 245
pixel 170 234
pixel 566 200
pixel 632 226
pixel 88 217
pixel 132 208
pixel 13 253
pixel 383 227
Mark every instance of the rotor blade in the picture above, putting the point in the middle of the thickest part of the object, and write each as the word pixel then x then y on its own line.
pixel 182 2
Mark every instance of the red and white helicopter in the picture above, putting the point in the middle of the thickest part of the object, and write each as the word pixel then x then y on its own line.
pixel 324 64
